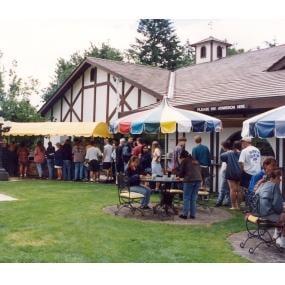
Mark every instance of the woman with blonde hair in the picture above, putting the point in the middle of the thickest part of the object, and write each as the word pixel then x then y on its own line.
pixel 156 168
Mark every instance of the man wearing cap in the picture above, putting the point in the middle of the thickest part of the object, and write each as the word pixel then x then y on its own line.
pixel 249 160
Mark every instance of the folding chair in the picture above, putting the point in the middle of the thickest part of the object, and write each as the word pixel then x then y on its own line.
pixel 127 199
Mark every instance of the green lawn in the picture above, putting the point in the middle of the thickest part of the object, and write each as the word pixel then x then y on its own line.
pixel 64 222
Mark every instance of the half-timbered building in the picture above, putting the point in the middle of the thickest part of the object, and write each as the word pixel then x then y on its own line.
pixel 232 88
pixel 100 89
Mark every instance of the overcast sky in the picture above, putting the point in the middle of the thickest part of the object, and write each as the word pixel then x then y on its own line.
pixel 36 44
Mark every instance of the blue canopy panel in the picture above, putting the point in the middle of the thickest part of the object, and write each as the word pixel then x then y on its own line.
pixel 212 126
pixel 199 126
pixel 252 130
pixel 265 129
pixel 152 128
pixel 280 129
pixel 113 128
pixel 137 128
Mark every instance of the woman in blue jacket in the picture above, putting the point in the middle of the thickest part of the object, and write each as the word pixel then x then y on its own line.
pixel 133 173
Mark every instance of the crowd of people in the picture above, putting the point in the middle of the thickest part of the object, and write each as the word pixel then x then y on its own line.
pixel 193 168
pixel 78 161
pixel 242 178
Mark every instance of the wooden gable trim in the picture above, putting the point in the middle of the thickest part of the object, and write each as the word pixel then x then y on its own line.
pixel 96 85
pixel 51 114
pixel 71 105
pixel 138 85
pixel 112 114
pixel 64 118
pixel 76 115
pixel 61 109
pixel 64 98
pixel 124 102
pixel 84 65
pixel 113 87
pixel 122 96
pixel 94 95
pixel 76 97
pixel 82 97
pixel 108 98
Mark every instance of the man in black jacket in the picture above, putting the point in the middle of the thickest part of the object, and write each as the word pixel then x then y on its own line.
pixel 67 158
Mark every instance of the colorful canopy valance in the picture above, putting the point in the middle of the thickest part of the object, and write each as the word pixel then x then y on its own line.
pixel 266 125
pixel 78 129
pixel 165 119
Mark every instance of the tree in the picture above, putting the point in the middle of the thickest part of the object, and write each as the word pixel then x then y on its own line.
pixel 272 43
pixel 65 67
pixel 158 44
pixel 14 98
pixel 188 55
pixel 234 51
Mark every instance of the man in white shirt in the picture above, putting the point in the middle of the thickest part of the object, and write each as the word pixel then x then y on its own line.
pixel 107 158
pixel 249 160
pixel 93 154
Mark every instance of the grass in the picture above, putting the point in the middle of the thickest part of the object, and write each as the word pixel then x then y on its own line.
pixel 64 222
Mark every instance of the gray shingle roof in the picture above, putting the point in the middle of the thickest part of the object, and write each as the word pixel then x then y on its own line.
pixel 152 78
pixel 241 76
pixel 237 77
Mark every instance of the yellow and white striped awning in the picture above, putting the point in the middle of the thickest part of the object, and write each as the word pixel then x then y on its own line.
pixel 78 129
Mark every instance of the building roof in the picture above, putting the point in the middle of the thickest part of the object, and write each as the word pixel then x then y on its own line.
pixel 237 77
pixel 209 39
pixel 153 78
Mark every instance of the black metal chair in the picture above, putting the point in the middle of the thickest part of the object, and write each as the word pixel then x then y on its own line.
pixel 259 229
pixel 204 199
pixel 127 198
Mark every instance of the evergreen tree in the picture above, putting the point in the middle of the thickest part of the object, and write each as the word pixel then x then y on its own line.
pixel 234 51
pixel 158 44
pixel 65 67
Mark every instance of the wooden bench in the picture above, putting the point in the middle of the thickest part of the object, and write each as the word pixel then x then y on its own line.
pixel 259 229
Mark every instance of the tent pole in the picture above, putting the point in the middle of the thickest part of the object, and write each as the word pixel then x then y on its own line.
pixel 212 160
pixel 283 166
pixel 217 161
pixel 277 152
pixel 165 153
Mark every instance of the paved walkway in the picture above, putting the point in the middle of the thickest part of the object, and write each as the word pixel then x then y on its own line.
pixel 263 254
pixel 204 216
pixel 4 198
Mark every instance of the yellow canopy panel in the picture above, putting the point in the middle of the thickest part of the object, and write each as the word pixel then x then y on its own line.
pixel 78 129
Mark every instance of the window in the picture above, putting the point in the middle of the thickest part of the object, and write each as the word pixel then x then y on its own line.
pixel 203 52
pixel 219 52
pixel 93 72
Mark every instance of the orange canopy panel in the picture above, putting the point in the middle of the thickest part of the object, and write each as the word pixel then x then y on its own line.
pixel 78 129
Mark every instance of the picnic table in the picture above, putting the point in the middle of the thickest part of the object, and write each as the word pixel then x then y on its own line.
pixel 166 197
